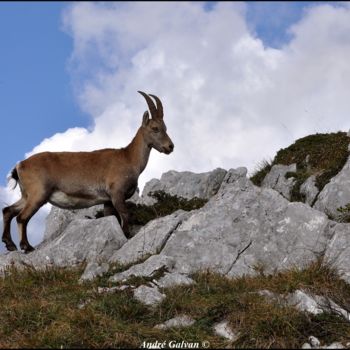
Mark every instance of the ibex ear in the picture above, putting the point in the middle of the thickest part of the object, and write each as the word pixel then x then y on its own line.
pixel 145 118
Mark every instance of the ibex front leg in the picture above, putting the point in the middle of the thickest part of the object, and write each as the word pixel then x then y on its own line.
pixel 118 201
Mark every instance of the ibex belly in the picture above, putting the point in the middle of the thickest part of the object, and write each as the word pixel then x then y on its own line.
pixel 76 201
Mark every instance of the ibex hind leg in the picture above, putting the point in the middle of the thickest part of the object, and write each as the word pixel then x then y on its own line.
pixel 8 214
pixel 32 205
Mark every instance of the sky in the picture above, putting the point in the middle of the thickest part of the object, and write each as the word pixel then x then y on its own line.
pixel 238 81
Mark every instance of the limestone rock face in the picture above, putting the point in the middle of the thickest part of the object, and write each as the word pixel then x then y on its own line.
pixel 150 239
pixel 147 269
pixel 276 179
pixel 58 219
pixel 185 184
pixel 336 193
pixel 309 190
pixel 243 227
pixel 81 240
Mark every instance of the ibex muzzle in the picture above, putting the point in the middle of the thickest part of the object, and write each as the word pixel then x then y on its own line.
pixel 75 180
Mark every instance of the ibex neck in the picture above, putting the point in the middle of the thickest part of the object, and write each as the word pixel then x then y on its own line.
pixel 139 152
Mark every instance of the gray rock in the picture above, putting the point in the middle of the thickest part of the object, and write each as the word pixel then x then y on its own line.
pixel 276 179
pixel 338 250
pixel 241 227
pixel 149 296
pixel 306 346
pixel 304 302
pixel 309 190
pixel 224 330
pixel 147 269
pixel 94 269
pixel 88 240
pixel 174 279
pixel 176 322
pixel 58 219
pixel 244 226
pixel 150 239
pixel 335 345
pixel 112 290
pixel 185 184
pixel 315 343
pixel 335 194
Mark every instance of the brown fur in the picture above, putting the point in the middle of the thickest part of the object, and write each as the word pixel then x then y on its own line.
pixel 74 180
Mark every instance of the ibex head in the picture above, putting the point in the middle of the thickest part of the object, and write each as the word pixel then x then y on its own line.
pixel 154 129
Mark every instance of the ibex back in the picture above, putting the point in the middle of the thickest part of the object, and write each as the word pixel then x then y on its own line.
pixel 75 180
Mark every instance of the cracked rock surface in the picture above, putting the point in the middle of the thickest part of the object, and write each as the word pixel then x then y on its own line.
pixel 185 184
pixel 240 228
pixel 89 240
pixel 336 193
pixel 276 179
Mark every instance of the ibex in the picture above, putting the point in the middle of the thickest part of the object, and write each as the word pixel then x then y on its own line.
pixel 76 180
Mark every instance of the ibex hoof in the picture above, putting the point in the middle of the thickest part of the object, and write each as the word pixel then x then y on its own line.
pixel 11 247
pixel 26 247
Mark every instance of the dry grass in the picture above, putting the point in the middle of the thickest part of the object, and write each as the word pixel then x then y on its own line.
pixel 41 309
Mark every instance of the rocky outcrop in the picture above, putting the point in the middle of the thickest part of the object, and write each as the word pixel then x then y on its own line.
pixel 309 190
pixel 244 226
pixel 58 219
pixel 83 240
pixel 277 180
pixel 185 184
pixel 241 228
pixel 150 239
pixel 336 193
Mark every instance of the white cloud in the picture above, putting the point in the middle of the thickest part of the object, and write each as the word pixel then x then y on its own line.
pixel 229 100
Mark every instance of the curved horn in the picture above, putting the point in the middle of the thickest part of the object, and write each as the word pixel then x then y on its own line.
pixel 151 105
pixel 159 106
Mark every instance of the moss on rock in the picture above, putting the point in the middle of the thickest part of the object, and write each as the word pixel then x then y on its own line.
pixel 323 155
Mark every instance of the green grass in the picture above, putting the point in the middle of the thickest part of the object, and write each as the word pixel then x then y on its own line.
pixel 140 214
pixel 262 169
pixel 327 154
pixel 40 309
pixel 344 213
pixel 166 204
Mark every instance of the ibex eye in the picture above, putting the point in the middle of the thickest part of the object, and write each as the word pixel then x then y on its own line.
pixel 155 129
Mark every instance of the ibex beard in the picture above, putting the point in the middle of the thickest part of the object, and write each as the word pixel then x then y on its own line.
pixel 76 180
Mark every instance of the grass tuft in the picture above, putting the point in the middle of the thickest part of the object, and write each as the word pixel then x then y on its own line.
pixel 262 169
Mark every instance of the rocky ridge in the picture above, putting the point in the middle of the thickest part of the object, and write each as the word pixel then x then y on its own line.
pixel 242 228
